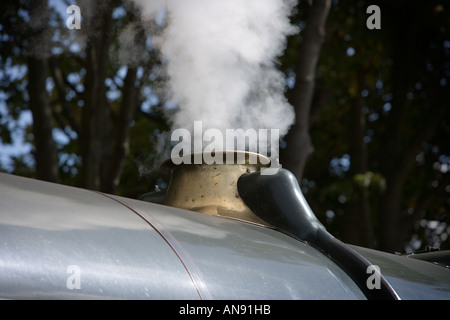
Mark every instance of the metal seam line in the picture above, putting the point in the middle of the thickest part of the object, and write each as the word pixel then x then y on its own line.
pixel 176 247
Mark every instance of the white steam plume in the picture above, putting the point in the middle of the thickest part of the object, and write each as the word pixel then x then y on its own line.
pixel 222 61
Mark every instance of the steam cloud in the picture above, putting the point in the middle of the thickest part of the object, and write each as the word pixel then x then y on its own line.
pixel 221 58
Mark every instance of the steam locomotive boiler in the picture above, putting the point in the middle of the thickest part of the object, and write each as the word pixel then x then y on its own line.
pixel 221 231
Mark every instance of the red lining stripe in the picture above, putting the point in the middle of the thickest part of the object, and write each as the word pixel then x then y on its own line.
pixel 176 247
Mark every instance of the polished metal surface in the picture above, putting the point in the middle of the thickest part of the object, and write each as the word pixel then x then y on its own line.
pixel 130 249
pixel 53 235
pixel 240 260
pixel 212 188
pixel 412 279
pixel 59 242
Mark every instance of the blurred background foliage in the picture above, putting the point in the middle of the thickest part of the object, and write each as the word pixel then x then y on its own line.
pixel 75 110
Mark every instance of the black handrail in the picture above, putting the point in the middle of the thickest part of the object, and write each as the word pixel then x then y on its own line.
pixel 278 200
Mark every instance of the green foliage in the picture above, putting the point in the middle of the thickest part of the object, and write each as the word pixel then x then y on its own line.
pixel 66 81
pixel 399 77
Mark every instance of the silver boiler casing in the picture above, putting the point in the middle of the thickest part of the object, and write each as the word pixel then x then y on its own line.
pixel 60 242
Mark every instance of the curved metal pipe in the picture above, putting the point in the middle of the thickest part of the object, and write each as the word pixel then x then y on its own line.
pixel 278 200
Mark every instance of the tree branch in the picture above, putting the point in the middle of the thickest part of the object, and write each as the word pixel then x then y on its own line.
pixel 121 143
pixel 46 158
pixel 58 78
pixel 299 145
pixel 96 122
